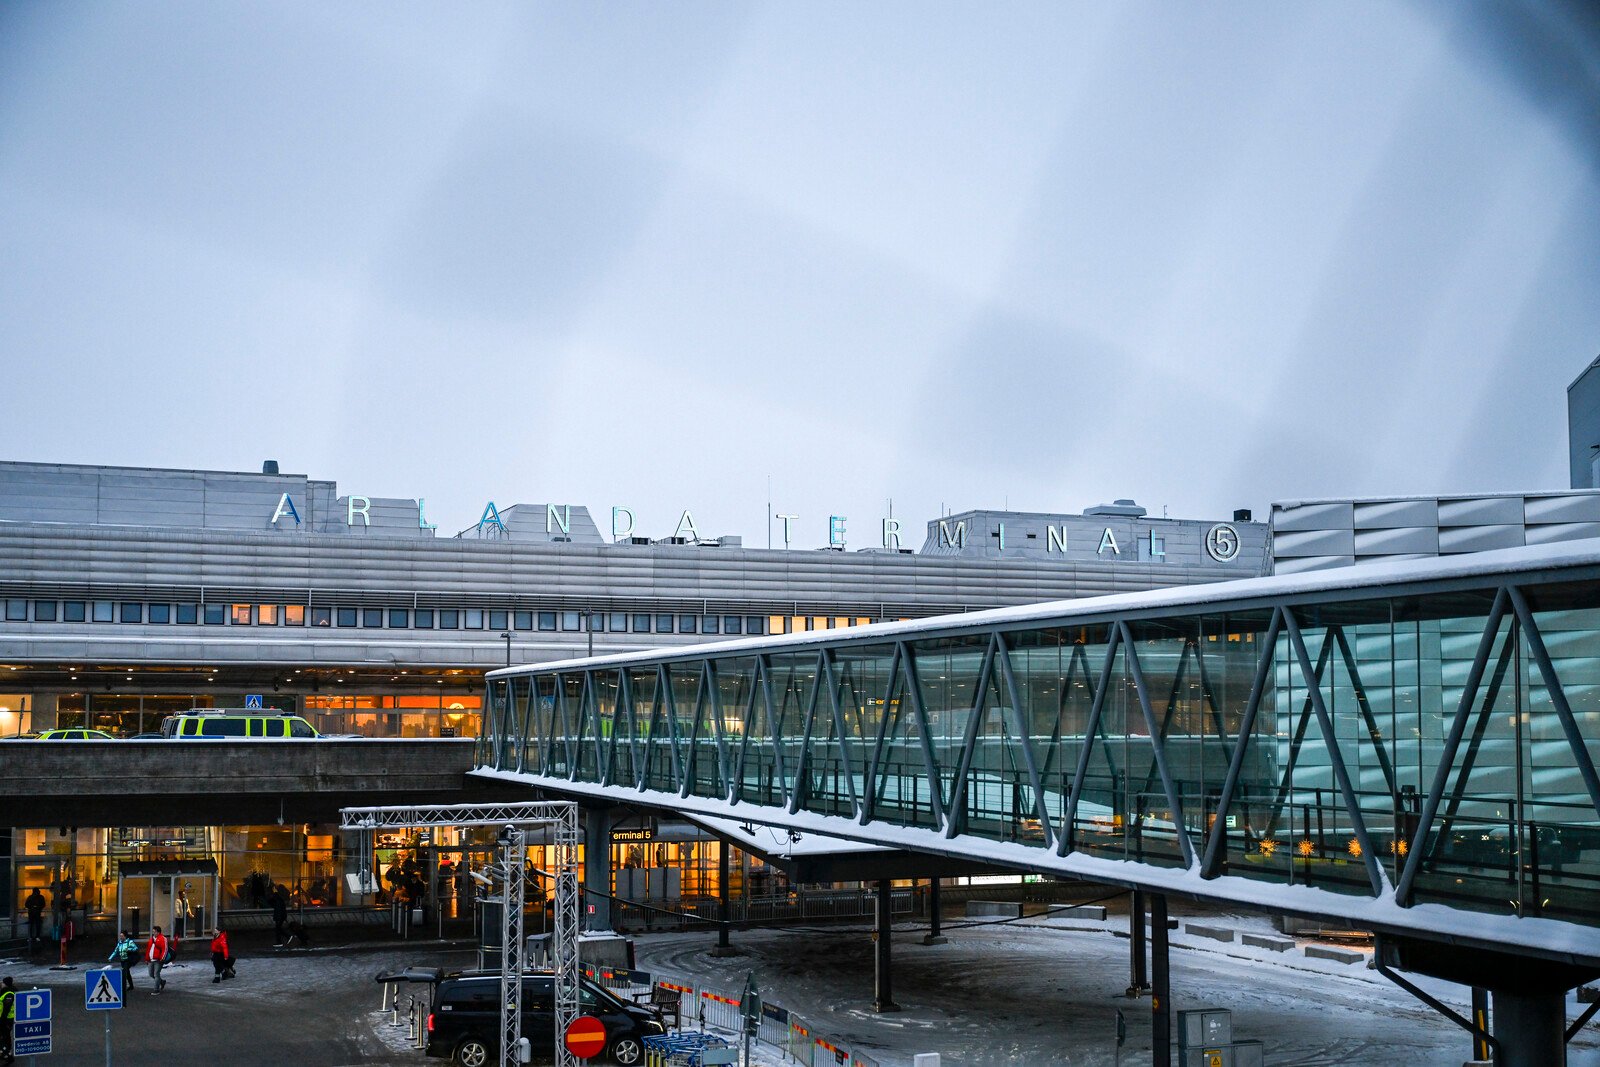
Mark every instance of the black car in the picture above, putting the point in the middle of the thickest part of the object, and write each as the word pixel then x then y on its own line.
pixel 465 1021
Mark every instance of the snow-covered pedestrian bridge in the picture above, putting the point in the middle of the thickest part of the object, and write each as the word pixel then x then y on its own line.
pixel 1408 747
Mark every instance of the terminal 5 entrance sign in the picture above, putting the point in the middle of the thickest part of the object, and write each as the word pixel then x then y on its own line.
pixel 1221 541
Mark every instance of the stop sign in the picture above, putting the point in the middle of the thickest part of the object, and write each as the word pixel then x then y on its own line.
pixel 586 1037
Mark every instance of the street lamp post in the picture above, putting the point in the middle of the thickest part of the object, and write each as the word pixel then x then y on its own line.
pixel 507 638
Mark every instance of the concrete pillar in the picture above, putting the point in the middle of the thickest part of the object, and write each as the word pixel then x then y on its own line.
pixel 934 937
pixel 882 985
pixel 596 869
pixel 1138 978
pixel 1161 985
pixel 724 889
pixel 1531 1028
pixel 44 709
pixel 1480 1019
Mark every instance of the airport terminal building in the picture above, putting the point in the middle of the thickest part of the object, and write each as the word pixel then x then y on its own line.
pixel 130 593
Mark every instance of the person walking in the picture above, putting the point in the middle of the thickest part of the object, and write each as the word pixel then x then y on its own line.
pixel 221 961
pixel 35 906
pixel 155 952
pixel 280 915
pixel 126 953
pixel 8 1019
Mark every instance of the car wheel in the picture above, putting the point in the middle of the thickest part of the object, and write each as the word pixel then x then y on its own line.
pixel 472 1052
pixel 628 1051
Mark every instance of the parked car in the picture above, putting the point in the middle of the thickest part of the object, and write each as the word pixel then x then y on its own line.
pixel 233 723
pixel 74 735
pixel 464 1024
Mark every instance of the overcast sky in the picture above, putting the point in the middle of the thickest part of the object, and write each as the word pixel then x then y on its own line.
pixel 1207 256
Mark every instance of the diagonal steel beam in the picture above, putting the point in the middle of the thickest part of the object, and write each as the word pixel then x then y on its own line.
pixel 1211 866
pixel 1158 748
pixel 774 725
pixel 1064 840
pixel 1374 733
pixel 1008 672
pixel 958 788
pixel 1479 727
pixel 845 766
pixel 1447 756
pixel 1341 773
pixel 913 686
pixel 1298 740
pixel 803 769
pixel 1558 696
pixel 874 764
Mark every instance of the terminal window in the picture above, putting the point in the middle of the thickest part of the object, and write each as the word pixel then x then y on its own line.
pixel 372 618
pixel 216 614
pixel 522 619
pixel 422 619
pixel 131 612
pixel 686 624
pixel 710 624
pixel 641 624
pixel 72 610
pixel 618 623
pixel 732 624
pixel 497 620
pixel 449 619
pixel 347 616
pixel 321 616
pixel 294 615
pixel 267 614
pixel 188 614
pixel 102 611
pixel 547 620
pixel 663 624
pixel 160 613
pixel 241 614
pixel 472 619
pixel 569 620
pixel 44 611
pixel 399 618
pixel 16 611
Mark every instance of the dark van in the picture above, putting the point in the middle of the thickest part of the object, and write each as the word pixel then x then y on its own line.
pixel 464 1024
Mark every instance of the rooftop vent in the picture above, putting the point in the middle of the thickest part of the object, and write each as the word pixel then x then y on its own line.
pixel 1126 508
pixel 269 466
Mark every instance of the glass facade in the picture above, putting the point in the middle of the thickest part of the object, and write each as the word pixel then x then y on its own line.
pixel 1436 746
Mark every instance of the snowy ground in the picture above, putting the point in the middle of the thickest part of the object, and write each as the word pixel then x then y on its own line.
pixel 1046 992
pixel 1040 992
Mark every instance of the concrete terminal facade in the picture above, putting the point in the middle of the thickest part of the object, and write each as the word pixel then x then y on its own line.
pixel 132 593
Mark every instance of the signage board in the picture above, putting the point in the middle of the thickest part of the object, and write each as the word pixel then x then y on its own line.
pixel 102 990
pixel 252 700
pixel 585 1037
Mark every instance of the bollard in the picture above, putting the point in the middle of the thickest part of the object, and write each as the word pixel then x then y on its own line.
pixel 389 989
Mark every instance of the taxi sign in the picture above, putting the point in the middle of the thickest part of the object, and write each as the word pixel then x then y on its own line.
pixel 586 1037
pixel 102 990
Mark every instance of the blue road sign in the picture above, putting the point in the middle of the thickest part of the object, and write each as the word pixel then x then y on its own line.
pixel 252 700
pixel 32 1005
pixel 31 1046
pixel 102 990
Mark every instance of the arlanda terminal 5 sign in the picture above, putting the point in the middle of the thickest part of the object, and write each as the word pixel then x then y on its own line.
pixel 1221 542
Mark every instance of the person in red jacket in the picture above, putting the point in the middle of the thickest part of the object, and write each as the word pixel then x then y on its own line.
pixel 221 962
pixel 155 951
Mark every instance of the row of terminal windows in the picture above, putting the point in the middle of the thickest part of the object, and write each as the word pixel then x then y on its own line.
pixel 133 611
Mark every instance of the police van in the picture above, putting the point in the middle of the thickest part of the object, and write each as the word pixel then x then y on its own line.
pixel 265 724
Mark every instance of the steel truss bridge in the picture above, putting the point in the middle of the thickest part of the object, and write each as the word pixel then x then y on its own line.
pixel 1405 747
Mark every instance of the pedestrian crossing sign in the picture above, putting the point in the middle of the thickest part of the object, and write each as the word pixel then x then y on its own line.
pixel 102 990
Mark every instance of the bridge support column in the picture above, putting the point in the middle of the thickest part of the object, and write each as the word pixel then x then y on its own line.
pixel 1531 1028
pixel 934 937
pixel 882 985
pixel 1138 979
pixel 597 869
pixel 1480 1019
pixel 724 912
pixel 1161 985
